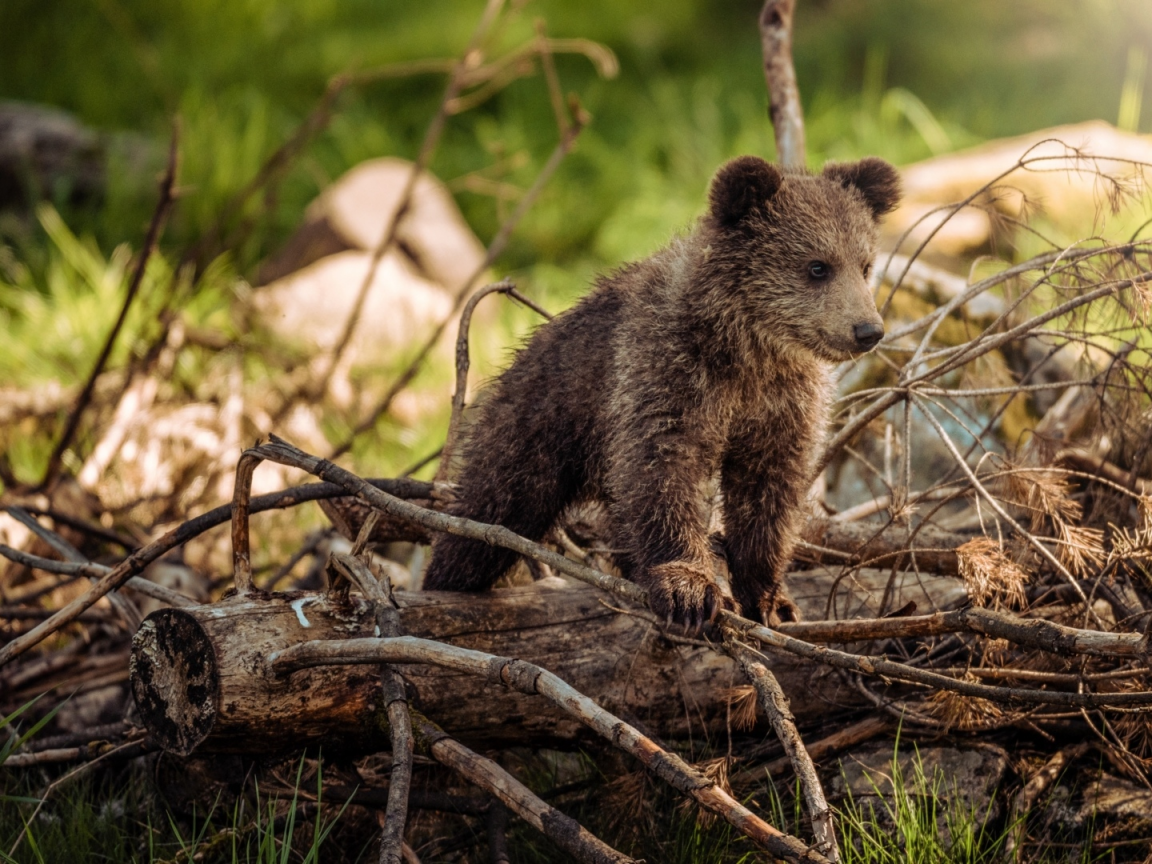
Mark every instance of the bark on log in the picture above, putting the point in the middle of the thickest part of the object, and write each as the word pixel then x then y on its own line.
pixel 200 680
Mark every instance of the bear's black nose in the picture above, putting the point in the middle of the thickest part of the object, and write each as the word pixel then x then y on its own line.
pixel 867 335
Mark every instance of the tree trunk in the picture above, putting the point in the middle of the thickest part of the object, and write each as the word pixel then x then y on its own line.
pixel 199 674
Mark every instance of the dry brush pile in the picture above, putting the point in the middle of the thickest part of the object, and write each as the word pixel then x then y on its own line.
pixel 989 569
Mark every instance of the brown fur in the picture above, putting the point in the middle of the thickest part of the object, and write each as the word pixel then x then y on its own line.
pixel 709 358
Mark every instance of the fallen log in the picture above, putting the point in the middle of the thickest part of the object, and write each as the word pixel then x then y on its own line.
pixel 200 678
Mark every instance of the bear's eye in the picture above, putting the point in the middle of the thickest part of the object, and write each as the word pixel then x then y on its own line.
pixel 819 270
pixel 867 270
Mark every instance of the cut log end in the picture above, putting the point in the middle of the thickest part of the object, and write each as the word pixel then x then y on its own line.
pixel 172 656
pixel 200 680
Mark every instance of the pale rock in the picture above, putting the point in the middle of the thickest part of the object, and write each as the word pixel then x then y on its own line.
pixel 1066 185
pixel 356 210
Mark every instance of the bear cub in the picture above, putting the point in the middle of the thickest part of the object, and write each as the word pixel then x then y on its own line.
pixel 709 359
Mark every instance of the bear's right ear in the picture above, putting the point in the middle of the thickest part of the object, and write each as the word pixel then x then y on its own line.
pixel 741 186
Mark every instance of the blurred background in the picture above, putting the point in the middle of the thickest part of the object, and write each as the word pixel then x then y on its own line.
pixel 240 327
pixel 903 79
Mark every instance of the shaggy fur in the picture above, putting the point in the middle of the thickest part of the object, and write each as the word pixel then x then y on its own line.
pixel 709 358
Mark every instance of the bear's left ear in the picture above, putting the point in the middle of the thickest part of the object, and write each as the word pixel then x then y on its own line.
pixel 741 186
pixel 877 181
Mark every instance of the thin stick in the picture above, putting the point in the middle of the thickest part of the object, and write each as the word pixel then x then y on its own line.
pixel 141 558
pixel 780 76
pixel 311 542
pixel 1037 783
pixel 468 59
pixel 124 607
pixel 61 546
pixel 497 829
pixel 214 239
pixel 1029 632
pixel 96 571
pixel 463 363
pixel 962 464
pixel 562 830
pixel 534 680
pixel 842 739
pixel 159 215
pixel 555 93
pixel 495 248
pixel 775 705
pixel 882 667
pixel 395 698
pixel 241 505
pixel 82 525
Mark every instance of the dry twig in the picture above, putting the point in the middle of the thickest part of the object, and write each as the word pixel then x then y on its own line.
pixel 775 705
pixel 531 679
pixel 1033 789
pixel 562 830
pixel 159 216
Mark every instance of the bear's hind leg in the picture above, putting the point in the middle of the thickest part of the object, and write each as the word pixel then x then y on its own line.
pixel 520 487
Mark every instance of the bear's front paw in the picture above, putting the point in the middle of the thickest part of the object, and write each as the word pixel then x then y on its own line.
pixel 686 593
pixel 776 607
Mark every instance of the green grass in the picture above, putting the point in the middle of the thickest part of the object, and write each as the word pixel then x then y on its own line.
pixel 115 818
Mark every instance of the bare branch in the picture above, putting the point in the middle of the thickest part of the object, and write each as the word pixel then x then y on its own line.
pixel 783 94
pixel 775 705
pixel 879 666
pixel 463 362
pixel 532 679
pixel 142 557
pixel 495 248
pixel 159 216
pixel 562 830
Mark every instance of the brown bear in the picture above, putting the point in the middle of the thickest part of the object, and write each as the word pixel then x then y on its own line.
pixel 711 357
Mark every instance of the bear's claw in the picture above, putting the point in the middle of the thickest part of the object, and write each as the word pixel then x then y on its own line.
pixel 686 593
pixel 776 607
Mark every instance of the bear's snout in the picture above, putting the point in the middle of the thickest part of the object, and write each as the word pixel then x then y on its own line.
pixel 867 335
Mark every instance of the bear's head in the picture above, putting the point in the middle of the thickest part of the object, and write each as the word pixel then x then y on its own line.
pixel 798 248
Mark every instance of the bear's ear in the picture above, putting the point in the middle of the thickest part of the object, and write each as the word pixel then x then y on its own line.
pixel 741 186
pixel 877 181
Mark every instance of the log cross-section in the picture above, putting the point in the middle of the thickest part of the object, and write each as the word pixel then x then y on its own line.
pixel 172 654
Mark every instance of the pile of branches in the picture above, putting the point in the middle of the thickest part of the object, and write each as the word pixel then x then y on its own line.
pixel 1050 535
